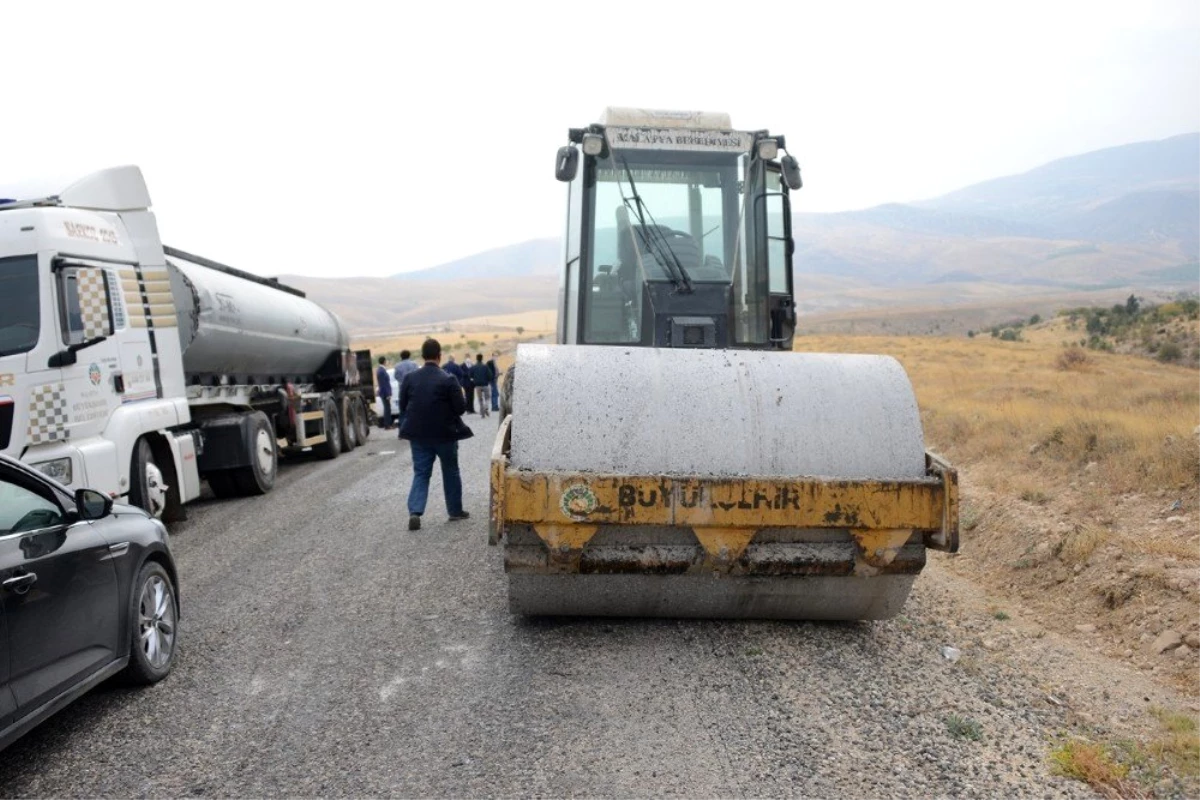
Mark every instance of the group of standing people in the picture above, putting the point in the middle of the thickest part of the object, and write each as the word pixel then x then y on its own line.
pixel 432 400
pixel 478 382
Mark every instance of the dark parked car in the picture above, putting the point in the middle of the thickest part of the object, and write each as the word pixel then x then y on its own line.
pixel 87 591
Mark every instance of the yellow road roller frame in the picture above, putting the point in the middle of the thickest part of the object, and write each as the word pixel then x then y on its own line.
pixel 567 509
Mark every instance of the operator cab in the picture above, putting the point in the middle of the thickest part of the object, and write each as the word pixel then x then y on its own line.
pixel 678 233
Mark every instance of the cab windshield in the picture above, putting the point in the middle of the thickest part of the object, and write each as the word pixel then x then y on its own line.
pixel 18 304
pixel 678 217
pixel 666 216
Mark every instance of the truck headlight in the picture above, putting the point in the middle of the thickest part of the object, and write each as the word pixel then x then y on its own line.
pixel 59 469
pixel 768 149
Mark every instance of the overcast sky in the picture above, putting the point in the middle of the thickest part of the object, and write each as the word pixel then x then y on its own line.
pixel 345 138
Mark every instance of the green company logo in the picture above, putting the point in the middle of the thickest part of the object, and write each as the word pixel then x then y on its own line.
pixel 578 501
pixel 94 375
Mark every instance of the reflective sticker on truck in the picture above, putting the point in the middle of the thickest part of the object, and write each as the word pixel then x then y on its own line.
pixel 48 414
pixel 93 302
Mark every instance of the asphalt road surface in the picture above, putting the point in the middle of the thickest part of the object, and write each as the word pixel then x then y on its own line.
pixel 326 650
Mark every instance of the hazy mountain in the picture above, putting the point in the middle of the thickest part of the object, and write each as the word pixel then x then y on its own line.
pixel 388 304
pixel 1117 216
pixel 1072 186
pixel 533 257
pixel 1157 216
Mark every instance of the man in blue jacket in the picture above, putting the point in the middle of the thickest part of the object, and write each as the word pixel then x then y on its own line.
pixel 432 405
pixel 468 386
pixel 491 364
pixel 452 369
pixel 481 376
pixel 385 393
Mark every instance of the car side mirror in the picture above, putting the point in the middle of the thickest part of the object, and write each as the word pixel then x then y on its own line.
pixel 567 164
pixel 90 504
pixel 791 172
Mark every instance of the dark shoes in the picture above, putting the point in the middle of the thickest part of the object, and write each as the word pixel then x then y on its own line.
pixel 463 515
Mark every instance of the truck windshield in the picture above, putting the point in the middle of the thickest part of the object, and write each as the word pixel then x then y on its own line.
pixel 18 304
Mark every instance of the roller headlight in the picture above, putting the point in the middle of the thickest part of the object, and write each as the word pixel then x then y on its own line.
pixel 768 149
pixel 593 144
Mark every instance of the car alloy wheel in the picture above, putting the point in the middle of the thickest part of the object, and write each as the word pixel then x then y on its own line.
pixel 156 621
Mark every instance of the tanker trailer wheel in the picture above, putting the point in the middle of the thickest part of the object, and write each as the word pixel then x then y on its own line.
pixel 147 488
pixel 259 476
pixel 223 483
pixel 332 446
pixel 361 422
pixel 349 429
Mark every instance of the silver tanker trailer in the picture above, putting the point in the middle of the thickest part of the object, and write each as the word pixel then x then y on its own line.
pixel 139 369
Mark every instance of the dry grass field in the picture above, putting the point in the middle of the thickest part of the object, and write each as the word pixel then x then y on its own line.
pixel 1080 477
pixel 485 335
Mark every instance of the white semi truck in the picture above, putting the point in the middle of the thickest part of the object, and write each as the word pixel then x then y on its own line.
pixel 137 369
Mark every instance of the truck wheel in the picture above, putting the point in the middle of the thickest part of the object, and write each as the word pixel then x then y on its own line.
pixel 147 488
pixel 259 476
pixel 361 422
pixel 222 483
pixel 332 446
pixel 349 429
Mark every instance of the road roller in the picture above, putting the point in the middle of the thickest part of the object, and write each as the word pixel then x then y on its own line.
pixel 671 455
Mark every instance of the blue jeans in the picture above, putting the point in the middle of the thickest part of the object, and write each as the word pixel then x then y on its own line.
pixel 495 397
pixel 423 454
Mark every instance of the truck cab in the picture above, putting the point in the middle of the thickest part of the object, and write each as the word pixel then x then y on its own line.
pixel 91 379
pixel 678 233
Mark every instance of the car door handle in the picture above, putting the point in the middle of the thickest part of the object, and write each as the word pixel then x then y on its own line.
pixel 20 583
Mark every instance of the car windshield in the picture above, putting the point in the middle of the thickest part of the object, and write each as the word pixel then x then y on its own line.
pixel 18 304
pixel 666 220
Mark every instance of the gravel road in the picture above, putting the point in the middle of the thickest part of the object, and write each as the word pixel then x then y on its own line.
pixel 326 650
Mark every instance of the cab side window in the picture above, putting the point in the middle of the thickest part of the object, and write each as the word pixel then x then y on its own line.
pixel 87 312
pixel 74 327
pixel 23 510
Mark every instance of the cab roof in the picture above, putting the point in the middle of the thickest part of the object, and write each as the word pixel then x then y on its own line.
pixel 114 189
pixel 660 118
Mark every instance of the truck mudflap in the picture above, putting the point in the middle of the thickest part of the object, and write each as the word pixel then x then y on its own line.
pixel 556 523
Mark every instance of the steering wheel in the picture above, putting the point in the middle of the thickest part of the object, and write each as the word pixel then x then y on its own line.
pixel 37 518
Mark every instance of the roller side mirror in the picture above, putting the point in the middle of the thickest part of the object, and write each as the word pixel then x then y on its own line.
pixel 567 164
pixel 791 172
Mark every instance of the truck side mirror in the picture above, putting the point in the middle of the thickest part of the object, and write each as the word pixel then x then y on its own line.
pixel 791 172
pixel 567 164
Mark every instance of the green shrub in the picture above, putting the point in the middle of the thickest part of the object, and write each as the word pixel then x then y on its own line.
pixel 1169 351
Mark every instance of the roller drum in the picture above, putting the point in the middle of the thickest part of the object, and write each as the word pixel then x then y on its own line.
pixel 652 411
pixel 721 414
